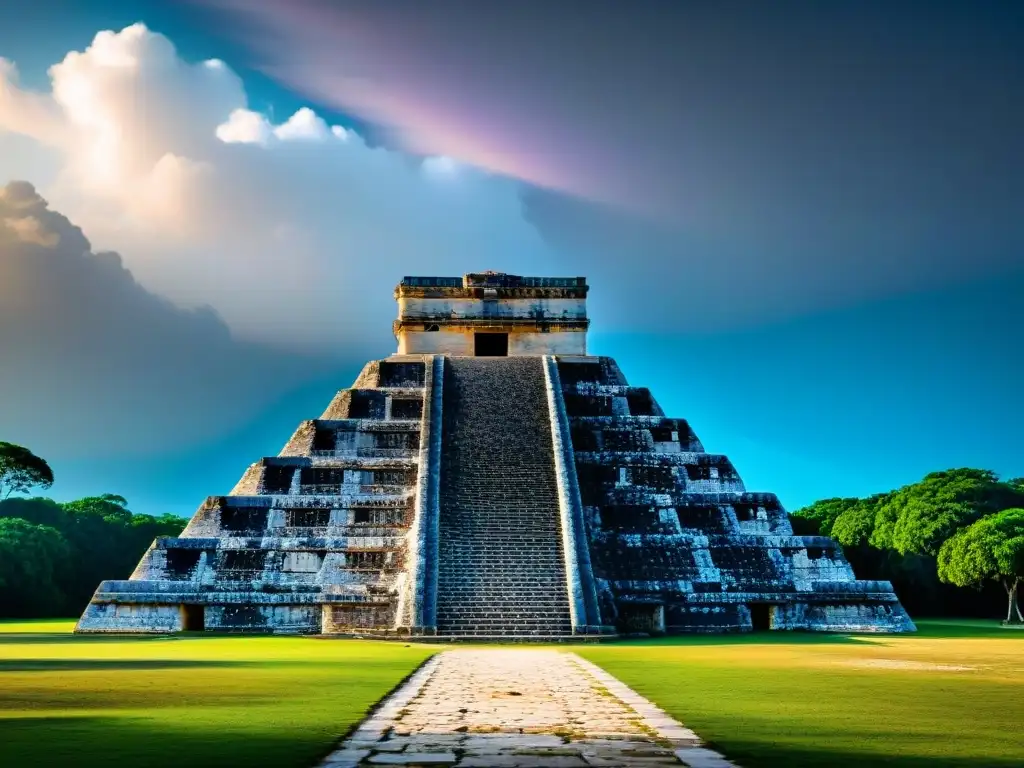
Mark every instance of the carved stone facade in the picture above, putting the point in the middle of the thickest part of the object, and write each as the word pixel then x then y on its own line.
pixel 492 314
pixel 492 493
pixel 677 544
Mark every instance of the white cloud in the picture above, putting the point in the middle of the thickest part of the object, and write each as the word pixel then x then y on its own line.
pixel 94 365
pixel 295 231
pixel 303 125
pixel 245 127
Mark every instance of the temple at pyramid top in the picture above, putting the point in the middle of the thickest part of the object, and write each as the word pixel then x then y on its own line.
pixel 492 314
pixel 493 480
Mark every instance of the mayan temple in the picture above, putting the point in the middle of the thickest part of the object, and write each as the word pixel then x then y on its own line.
pixel 491 479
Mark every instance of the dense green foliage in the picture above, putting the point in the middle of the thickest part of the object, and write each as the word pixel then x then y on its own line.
pixel 919 518
pixel 897 536
pixel 992 548
pixel 21 470
pixel 53 556
pixel 821 515
pixel 198 701
pixel 854 526
pixel 33 565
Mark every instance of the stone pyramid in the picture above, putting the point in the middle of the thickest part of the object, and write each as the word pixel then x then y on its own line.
pixel 492 480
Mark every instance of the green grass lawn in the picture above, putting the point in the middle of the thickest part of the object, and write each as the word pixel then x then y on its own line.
pixel 216 701
pixel 951 695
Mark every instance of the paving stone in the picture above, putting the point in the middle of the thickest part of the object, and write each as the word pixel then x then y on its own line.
pixel 414 758
pixel 391 745
pixel 343 758
pixel 699 757
pixel 530 708
pixel 501 569
pixel 497 761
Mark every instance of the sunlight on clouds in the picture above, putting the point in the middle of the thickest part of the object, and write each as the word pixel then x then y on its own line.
pixel 28 229
pixel 440 166
pixel 245 127
pixel 292 231
pixel 303 125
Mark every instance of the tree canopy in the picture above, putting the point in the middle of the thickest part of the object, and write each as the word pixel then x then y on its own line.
pixel 33 563
pixel 818 518
pixel 102 538
pixel 918 518
pixel 991 548
pixel 897 536
pixel 21 470
pixel 854 526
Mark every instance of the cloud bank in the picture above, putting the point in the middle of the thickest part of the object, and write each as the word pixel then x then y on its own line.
pixel 760 159
pixel 744 185
pixel 94 365
pixel 295 232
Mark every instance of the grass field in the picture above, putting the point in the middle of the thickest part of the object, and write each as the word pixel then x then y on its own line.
pixel 951 695
pixel 85 701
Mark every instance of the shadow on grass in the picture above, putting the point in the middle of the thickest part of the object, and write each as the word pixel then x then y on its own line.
pixel 127 742
pixel 742 638
pixel 966 628
pixel 116 742
pixel 770 755
pixel 59 638
pixel 926 628
pixel 95 665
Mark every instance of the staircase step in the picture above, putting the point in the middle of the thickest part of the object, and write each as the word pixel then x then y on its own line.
pixel 502 570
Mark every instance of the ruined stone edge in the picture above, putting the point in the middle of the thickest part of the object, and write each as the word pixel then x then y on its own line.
pixel 579 573
pixel 424 536
pixel 688 746
pixel 374 726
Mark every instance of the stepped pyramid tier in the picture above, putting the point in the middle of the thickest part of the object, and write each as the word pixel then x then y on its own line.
pixel 492 480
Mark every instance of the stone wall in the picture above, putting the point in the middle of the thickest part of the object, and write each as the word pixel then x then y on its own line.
pixel 460 341
pixel 469 496
pixel 501 562
pixel 675 537
pixel 324 524
pixel 538 308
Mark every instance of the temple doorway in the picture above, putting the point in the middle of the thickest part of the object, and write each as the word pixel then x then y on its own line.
pixel 490 344
pixel 193 618
pixel 762 616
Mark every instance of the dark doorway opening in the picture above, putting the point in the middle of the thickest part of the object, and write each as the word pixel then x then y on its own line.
pixel 641 618
pixel 490 344
pixel 762 616
pixel 193 618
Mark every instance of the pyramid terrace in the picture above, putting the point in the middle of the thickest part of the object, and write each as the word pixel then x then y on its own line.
pixel 491 480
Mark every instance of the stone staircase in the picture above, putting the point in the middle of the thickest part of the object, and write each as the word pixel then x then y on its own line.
pixel 501 569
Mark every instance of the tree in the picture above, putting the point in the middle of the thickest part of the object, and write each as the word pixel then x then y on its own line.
pixel 33 559
pixel 918 518
pixel 991 548
pixel 109 507
pixel 104 541
pixel 20 469
pixel 107 540
pixel 856 524
pixel 818 518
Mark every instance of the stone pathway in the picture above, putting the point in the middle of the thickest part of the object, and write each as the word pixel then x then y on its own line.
pixel 519 708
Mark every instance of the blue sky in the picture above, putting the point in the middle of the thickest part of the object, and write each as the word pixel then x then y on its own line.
pixel 839 323
pixel 847 403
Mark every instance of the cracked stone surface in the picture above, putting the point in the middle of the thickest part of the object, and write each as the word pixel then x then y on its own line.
pixel 480 708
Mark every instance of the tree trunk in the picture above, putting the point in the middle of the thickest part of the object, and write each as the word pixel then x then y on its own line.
pixel 1014 606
